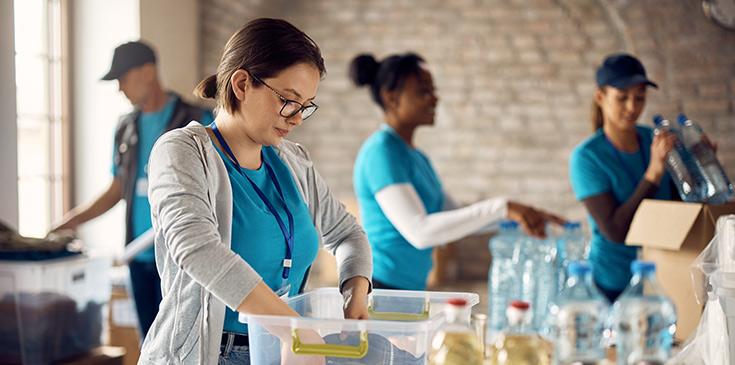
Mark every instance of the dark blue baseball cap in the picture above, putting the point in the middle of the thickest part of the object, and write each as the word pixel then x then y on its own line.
pixel 622 70
pixel 128 56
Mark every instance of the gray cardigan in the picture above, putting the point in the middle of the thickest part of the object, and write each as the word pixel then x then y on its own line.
pixel 191 209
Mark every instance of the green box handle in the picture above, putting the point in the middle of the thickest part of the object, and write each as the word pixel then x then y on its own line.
pixel 332 350
pixel 396 316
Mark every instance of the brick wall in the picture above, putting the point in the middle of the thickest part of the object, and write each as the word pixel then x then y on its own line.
pixel 514 78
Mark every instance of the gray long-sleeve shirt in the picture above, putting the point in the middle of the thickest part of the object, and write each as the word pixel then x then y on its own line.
pixel 191 209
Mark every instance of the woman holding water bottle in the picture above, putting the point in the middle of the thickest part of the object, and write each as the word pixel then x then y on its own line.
pixel 621 164
pixel 404 209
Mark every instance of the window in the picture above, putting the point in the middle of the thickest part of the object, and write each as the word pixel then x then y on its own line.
pixel 39 82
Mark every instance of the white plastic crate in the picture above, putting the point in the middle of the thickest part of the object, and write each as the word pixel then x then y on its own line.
pixel 51 309
pixel 400 330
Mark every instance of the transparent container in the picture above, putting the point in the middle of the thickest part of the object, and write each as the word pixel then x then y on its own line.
pixel 578 318
pixel 52 309
pixel 644 319
pixel 400 330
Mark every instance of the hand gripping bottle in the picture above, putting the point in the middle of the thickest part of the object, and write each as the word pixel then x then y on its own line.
pixel 578 318
pixel 719 187
pixel 518 343
pixel 681 166
pixel 644 319
pixel 456 342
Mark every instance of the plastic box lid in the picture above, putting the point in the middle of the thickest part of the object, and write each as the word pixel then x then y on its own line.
pixel 400 330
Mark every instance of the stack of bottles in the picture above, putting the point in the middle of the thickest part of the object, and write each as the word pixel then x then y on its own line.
pixel 643 319
pixel 518 343
pixel 578 318
pixel 572 245
pixel 457 342
pixel 692 163
pixel 530 269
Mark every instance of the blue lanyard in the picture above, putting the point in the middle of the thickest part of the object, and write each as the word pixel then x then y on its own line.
pixel 620 158
pixel 286 234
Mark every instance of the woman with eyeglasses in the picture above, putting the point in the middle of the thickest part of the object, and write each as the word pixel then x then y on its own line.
pixel 621 164
pixel 404 208
pixel 239 212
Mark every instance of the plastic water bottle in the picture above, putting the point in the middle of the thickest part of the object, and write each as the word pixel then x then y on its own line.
pixel 456 342
pixel 681 165
pixel 578 318
pixel 644 319
pixel 518 343
pixel 504 277
pixel 572 245
pixel 719 188
pixel 538 284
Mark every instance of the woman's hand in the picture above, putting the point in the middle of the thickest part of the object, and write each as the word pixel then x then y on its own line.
pixel 662 143
pixel 354 292
pixel 533 220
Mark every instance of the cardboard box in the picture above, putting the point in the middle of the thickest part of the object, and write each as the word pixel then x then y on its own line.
pixel 672 235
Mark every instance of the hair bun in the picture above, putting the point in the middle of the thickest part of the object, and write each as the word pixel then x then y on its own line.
pixel 363 69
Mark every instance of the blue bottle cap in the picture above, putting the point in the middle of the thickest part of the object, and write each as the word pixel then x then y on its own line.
pixel 571 225
pixel 508 224
pixel 640 266
pixel 579 268
pixel 657 119
pixel 682 119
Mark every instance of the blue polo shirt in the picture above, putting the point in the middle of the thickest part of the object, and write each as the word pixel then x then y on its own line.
pixel 256 235
pixel 595 167
pixel 385 159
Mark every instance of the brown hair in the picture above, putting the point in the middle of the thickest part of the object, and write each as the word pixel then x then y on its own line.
pixel 263 47
pixel 597 119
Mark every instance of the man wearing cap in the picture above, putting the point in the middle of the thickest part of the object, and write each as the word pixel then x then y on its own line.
pixel 155 112
pixel 621 164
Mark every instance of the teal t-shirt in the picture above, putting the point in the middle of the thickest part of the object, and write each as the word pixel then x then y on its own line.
pixel 256 235
pixel 385 159
pixel 595 167
pixel 150 127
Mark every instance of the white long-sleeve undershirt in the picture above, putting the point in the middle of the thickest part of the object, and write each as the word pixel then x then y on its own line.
pixel 405 210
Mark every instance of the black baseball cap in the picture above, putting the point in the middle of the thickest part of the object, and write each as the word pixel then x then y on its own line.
pixel 127 56
pixel 622 70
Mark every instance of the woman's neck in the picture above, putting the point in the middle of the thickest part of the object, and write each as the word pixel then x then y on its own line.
pixel 246 151
pixel 623 140
pixel 404 131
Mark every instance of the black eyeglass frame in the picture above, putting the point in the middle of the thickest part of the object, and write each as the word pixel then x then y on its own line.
pixel 311 107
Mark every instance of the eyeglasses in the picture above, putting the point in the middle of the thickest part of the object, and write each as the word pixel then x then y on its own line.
pixel 291 107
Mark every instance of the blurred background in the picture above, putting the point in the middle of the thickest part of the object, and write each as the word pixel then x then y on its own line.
pixel 514 78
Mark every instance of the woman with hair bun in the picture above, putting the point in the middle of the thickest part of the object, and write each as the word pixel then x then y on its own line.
pixel 239 212
pixel 404 208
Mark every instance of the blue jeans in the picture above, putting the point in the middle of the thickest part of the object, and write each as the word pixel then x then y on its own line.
pixel 234 355
pixel 146 290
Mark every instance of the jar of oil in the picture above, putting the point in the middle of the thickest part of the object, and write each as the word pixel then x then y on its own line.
pixel 456 342
pixel 518 343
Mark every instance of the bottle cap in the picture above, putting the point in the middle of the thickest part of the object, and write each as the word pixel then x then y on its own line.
pixel 579 267
pixel 571 225
pixel 640 266
pixel 508 224
pixel 657 119
pixel 682 119
pixel 519 304
pixel 459 302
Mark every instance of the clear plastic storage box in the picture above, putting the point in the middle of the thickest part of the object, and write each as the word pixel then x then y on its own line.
pixel 51 309
pixel 400 330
